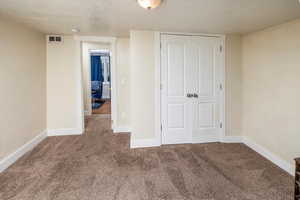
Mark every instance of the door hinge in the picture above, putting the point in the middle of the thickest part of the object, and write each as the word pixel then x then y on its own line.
pixel 221 48
pixel 221 125
pixel 221 86
pixel 161 127
pixel 161 86
pixel 160 45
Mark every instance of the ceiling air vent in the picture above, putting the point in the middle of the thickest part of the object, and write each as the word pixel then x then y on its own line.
pixel 55 39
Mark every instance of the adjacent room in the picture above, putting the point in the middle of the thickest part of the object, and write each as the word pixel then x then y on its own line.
pixel 150 100
pixel 96 83
pixel 100 81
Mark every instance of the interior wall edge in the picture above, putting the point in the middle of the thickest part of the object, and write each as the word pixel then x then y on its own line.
pixel 66 131
pixel 269 66
pixel 22 24
pixel 122 129
pixel 233 85
pixel 23 85
pixel 143 143
pixel 270 28
pixel 280 162
pixel 14 156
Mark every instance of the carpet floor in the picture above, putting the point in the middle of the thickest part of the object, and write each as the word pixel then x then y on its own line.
pixel 100 166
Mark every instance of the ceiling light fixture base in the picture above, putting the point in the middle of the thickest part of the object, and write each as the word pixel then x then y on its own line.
pixel 149 4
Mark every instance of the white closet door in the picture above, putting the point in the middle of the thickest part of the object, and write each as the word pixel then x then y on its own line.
pixel 176 117
pixel 189 77
pixel 206 105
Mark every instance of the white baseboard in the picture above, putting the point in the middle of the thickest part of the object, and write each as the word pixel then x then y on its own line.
pixel 13 157
pixel 288 167
pixel 205 139
pixel 232 139
pixel 142 143
pixel 122 130
pixel 68 131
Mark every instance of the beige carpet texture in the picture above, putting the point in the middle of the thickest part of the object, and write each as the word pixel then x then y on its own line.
pixel 99 165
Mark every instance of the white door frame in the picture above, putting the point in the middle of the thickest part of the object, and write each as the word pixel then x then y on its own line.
pixel 112 42
pixel 157 53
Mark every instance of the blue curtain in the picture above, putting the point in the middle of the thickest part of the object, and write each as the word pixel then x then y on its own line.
pixel 96 69
pixel 96 76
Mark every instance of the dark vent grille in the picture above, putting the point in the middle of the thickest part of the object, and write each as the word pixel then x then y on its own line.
pixel 55 39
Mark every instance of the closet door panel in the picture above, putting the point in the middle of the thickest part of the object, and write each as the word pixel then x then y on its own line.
pixel 206 104
pixel 190 96
pixel 175 86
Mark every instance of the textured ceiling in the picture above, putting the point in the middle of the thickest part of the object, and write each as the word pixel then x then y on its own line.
pixel 117 17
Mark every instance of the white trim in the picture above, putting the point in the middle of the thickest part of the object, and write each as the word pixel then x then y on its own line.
pixel 86 113
pixel 205 139
pixel 232 139
pixel 13 157
pixel 157 53
pixel 142 143
pixel 223 91
pixel 112 41
pixel 157 94
pixel 288 167
pixel 80 95
pixel 113 75
pixel 122 130
pixel 67 131
pixel 193 34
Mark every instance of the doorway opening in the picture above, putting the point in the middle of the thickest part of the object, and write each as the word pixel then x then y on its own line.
pixel 97 78
pixel 100 81
pixel 83 45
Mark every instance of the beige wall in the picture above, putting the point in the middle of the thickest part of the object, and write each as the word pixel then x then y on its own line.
pixel 262 87
pixel 22 85
pixel 142 84
pixel 123 83
pixel 233 82
pixel 86 71
pixel 63 100
pixel 271 70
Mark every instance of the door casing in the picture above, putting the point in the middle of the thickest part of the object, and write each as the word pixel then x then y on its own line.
pixel 112 41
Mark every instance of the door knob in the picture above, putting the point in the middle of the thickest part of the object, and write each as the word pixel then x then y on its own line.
pixel 195 95
pixel 189 95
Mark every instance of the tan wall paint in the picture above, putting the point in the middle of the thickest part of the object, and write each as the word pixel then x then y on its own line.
pixel 62 86
pixel 271 70
pixel 233 82
pixel 86 71
pixel 142 84
pixel 123 83
pixel 22 85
